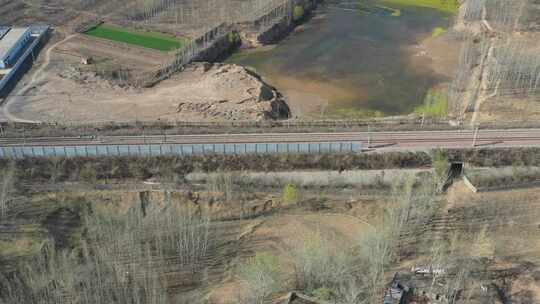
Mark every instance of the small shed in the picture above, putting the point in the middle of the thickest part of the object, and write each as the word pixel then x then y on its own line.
pixel 87 60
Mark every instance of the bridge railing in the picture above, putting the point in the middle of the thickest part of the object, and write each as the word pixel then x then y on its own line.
pixel 179 149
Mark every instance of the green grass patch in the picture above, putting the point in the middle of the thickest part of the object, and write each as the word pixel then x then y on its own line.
pixel 435 105
pixel 436 32
pixel 149 40
pixel 447 6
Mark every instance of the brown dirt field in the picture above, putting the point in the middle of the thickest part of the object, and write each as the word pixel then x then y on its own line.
pixel 71 93
pixel 507 214
pixel 277 234
pixel 511 219
pixel 510 109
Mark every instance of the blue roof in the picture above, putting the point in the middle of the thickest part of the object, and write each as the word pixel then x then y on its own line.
pixel 9 41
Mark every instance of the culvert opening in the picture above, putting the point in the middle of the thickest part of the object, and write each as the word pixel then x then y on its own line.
pixel 454 171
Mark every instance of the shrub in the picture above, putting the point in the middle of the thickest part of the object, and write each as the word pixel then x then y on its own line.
pixel 263 276
pixel 440 166
pixel 435 105
pixel 298 12
pixel 290 194
pixel 7 187
pixel 323 293
pixel 319 265
pixel 222 183
pixel 234 38
pixel 88 173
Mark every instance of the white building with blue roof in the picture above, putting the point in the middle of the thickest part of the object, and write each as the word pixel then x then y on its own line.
pixel 12 44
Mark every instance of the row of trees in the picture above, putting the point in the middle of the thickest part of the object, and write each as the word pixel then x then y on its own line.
pixel 514 70
pixel 502 15
pixel 181 11
pixel 7 189
pixel 491 68
pixel 191 12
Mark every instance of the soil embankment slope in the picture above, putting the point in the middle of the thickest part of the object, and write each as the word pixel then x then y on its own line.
pixel 204 92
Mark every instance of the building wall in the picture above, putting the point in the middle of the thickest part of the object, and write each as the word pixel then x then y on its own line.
pixel 15 51
pixel 24 60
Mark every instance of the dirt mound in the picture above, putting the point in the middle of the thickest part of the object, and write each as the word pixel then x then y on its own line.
pixel 203 92
pixel 229 92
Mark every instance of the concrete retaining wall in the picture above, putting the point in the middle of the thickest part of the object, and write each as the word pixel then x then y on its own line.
pixel 469 184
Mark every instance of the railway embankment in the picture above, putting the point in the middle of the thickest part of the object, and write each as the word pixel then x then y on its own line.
pixel 176 167
pixel 499 179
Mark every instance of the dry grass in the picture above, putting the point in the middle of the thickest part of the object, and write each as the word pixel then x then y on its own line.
pixel 309 179
pixel 503 177
pixel 131 237
pixel 24 246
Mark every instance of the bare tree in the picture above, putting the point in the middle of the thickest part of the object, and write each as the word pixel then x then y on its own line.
pixel 377 252
pixel 7 188
pixel 317 264
pixel 122 259
pixel 262 274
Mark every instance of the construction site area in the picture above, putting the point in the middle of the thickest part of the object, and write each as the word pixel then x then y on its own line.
pixel 105 60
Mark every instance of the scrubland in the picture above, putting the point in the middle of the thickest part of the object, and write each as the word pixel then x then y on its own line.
pixel 215 234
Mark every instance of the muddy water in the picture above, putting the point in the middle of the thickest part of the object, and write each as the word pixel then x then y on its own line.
pixel 349 61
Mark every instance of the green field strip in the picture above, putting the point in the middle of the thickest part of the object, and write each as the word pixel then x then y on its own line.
pixel 151 40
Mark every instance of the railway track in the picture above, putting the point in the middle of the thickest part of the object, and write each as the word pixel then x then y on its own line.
pixel 371 140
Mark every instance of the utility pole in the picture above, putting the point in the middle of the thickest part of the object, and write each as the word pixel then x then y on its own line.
pixel 369 137
pixel 475 136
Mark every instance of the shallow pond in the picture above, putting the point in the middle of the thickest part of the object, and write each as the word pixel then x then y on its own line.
pixel 352 60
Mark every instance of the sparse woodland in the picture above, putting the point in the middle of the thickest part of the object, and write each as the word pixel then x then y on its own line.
pixel 147 250
pixel 498 60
